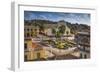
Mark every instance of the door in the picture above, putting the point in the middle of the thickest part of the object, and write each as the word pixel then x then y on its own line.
pixel 25 57
pixel 38 55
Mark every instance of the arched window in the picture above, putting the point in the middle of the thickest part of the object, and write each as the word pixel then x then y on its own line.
pixel 27 29
pixel 67 32
pixel 28 35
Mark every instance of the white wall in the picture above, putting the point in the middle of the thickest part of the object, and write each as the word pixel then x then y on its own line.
pixel 5 34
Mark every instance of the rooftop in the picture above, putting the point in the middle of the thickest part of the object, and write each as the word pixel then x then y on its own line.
pixel 83 33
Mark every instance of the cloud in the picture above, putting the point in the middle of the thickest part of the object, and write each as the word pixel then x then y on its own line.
pixel 82 18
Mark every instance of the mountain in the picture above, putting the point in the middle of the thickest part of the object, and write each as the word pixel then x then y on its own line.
pixel 74 27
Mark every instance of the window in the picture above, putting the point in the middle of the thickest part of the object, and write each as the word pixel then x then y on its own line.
pixel 38 55
pixel 31 35
pixel 27 29
pixel 84 48
pixel 67 32
pixel 25 46
pixel 80 55
pixel 31 30
pixel 85 56
pixel 28 35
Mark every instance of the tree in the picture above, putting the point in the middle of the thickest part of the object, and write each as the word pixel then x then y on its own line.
pixel 62 29
pixel 56 33
pixel 41 28
pixel 53 31
pixel 36 25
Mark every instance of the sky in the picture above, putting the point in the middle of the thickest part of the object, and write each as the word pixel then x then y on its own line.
pixel 81 18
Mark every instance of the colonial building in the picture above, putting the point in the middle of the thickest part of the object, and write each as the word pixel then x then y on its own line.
pixel 83 44
pixel 30 31
pixel 32 51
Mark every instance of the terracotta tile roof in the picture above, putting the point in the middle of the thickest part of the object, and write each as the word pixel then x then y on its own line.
pixel 36 46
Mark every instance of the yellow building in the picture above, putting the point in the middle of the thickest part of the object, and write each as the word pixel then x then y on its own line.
pixel 30 31
pixel 33 51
